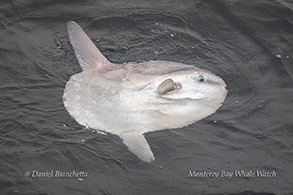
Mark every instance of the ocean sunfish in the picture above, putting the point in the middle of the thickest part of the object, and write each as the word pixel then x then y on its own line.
pixel 132 99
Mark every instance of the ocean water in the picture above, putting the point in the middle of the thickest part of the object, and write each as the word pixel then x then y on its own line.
pixel 247 43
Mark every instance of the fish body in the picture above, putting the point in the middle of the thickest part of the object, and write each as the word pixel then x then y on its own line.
pixel 132 99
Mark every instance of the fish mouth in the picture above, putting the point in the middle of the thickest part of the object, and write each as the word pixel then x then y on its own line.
pixel 215 80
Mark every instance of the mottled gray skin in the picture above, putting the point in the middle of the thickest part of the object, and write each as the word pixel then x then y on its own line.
pixel 123 99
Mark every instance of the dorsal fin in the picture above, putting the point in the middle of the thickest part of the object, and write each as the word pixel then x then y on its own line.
pixel 86 52
pixel 138 145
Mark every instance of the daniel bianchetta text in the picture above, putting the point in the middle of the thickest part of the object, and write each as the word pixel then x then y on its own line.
pixel 231 174
pixel 56 174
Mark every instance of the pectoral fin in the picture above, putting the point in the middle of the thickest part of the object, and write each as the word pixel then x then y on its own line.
pixel 138 145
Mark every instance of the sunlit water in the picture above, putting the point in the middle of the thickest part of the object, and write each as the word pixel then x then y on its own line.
pixel 247 43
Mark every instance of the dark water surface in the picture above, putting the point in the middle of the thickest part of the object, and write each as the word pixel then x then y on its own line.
pixel 248 43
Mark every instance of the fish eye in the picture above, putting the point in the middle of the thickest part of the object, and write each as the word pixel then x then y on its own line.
pixel 201 78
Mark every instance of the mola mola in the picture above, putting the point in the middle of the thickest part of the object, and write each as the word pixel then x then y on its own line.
pixel 132 99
